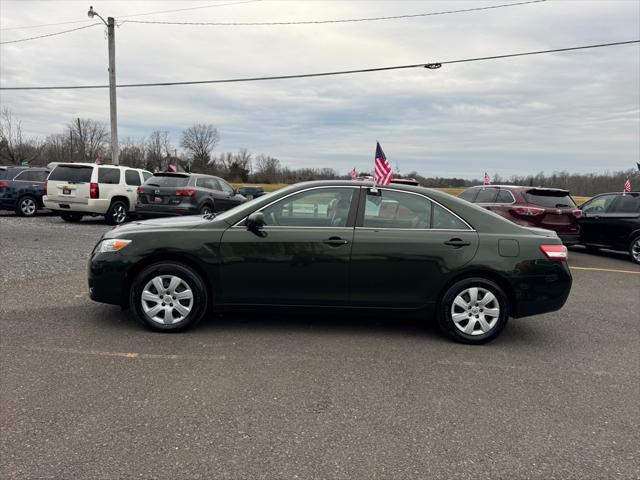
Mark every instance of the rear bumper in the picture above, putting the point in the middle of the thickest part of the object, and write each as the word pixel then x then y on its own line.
pixel 542 286
pixel 146 210
pixel 569 239
pixel 82 205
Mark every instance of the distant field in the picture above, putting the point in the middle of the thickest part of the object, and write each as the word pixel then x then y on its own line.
pixel 270 187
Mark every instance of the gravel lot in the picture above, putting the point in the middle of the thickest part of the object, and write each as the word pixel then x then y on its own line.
pixel 85 392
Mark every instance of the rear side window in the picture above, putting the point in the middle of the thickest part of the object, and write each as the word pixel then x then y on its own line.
pixel 469 195
pixel 168 181
pixel 109 175
pixel 487 195
pixel 442 219
pixel 397 210
pixel 206 182
pixel 505 196
pixel 3 173
pixel 549 199
pixel 65 173
pixel 39 175
pixel 132 177
pixel 146 176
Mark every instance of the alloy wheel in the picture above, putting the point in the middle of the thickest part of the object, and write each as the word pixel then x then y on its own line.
pixel 28 206
pixel 475 311
pixel 119 213
pixel 166 299
pixel 635 250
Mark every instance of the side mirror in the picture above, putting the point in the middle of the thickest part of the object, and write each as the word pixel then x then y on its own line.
pixel 255 222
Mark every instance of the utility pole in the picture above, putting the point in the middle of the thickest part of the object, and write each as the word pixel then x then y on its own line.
pixel 113 109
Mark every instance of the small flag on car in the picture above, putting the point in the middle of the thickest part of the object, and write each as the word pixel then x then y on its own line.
pixel 171 168
pixel 627 186
pixel 638 164
pixel 353 173
pixel 487 179
pixel 382 170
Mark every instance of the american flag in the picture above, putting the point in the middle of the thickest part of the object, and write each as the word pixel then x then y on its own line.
pixel 627 186
pixel 353 173
pixel 383 175
pixel 487 179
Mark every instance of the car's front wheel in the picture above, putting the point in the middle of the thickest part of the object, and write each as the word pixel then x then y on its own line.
pixel 634 249
pixel 473 310
pixel 168 297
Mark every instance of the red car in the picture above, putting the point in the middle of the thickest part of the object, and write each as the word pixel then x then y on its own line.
pixel 549 208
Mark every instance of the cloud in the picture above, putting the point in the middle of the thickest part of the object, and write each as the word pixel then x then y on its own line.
pixel 576 111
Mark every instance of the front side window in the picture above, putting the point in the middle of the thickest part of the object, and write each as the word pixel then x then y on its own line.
pixel 23 176
pixel 322 207
pixel 132 177
pixel 396 210
pixel 626 204
pixel 598 205
pixel 109 175
pixel 226 188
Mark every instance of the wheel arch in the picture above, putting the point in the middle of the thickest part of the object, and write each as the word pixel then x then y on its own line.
pixel 164 257
pixel 491 275
pixel 121 198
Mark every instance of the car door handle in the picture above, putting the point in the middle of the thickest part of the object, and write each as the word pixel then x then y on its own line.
pixel 335 241
pixel 457 243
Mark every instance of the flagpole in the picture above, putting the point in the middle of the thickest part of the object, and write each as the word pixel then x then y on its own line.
pixel 373 188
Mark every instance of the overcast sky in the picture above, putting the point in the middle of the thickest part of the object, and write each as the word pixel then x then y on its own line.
pixel 577 111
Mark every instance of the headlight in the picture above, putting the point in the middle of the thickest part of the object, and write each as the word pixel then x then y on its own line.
pixel 112 245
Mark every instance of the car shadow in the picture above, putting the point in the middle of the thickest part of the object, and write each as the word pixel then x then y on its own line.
pixel 601 253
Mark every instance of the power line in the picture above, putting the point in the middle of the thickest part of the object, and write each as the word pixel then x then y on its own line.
pixel 129 16
pixel 51 34
pixel 320 22
pixel 430 65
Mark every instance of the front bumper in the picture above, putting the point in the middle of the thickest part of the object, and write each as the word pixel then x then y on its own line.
pixel 107 278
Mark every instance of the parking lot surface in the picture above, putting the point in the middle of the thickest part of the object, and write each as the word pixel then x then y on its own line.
pixel 88 393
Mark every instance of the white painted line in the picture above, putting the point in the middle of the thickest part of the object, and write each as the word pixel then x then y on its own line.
pixel 604 270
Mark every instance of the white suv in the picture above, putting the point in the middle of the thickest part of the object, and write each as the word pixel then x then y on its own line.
pixel 77 189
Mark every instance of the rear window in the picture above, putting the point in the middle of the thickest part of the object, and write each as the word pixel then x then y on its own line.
pixel 65 173
pixel 549 199
pixel 167 181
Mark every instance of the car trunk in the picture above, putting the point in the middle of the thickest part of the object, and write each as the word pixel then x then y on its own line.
pixel 69 182
pixel 165 189
pixel 553 209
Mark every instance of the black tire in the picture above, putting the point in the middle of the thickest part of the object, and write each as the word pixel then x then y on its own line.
pixel 634 250
pixel 72 217
pixel 117 213
pixel 194 282
pixel 27 206
pixel 206 209
pixel 454 331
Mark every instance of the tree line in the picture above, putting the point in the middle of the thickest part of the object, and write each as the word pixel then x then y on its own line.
pixel 85 140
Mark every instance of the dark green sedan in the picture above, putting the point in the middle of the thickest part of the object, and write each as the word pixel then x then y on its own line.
pixel 336 244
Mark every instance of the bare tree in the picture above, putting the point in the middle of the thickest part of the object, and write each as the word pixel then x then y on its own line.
pixel 132 153
pixel 267 169
pixel 88 139
pixel 158 148
pixel 14 148
pixel 200 140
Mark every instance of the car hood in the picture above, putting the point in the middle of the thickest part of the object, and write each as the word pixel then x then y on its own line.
pixel 170 223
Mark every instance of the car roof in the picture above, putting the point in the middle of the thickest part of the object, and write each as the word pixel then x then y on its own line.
pixel 633 194
pixel 89 164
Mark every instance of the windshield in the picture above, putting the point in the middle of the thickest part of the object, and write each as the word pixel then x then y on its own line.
pixel 65 173
pixel 550 199
pixel 167 181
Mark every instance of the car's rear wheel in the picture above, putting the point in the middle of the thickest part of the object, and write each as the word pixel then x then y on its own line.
pixel 634 249
pixel 168 297
pixel 72 217
pixel 117 213
pixel 473 310
pixel 206 209
pixel 27 206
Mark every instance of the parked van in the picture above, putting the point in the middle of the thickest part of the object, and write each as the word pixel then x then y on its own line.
pixel 78 189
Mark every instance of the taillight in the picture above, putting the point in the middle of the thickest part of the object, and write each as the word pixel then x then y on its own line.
pixel 46 182
pixel 4 184
pixel 577 213
pixel 185 193
pixel 94 190
pixel 140 190
pixel 557 253
pixel 527 211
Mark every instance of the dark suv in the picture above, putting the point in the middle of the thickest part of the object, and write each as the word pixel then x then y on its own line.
pixel 549 208
pixel 612 220
pixel 22 188
pixel 167 194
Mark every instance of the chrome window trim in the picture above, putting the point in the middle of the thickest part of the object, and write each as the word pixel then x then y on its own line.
pixel 355 187
pixel 419 229
pixel 431 200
